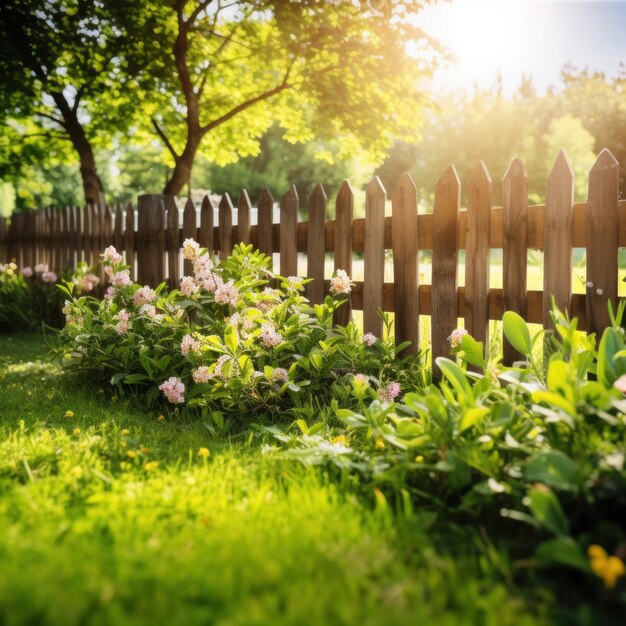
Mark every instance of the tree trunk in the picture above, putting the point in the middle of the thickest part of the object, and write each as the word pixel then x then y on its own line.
pixel 182 171
pixel 92 185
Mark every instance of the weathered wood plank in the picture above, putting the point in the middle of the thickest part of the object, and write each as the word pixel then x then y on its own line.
pixel 477 254
pixel 206 234
pixel 225 217
pixel 265 213
pixel 444 269
pixel 557 256
pixel 405 250
pixel 602 241
pixel 189 230
pixel 129 239
pixel 315 245
pixel 289 205
pixel 151 240
pixel 342 244
pixel 374 257
pixel 172 243
pixel 244 206
pixel 515 253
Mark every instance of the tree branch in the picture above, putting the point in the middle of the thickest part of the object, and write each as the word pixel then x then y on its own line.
pixel 247 104
pixel 49 135
pixel 164 139
pixel 52 118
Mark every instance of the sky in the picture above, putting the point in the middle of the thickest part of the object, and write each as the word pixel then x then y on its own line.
pixel 536 37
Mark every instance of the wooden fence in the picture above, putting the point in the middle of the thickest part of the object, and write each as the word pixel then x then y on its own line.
pixel 151 239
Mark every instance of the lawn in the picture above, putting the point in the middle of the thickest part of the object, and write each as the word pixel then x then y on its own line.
pixel 109 515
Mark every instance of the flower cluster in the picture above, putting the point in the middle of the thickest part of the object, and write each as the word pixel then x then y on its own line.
pixel 340 283
pixel 456 336
pixel 174 390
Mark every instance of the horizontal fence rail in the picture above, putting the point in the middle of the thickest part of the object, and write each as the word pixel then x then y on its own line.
pixel 151 237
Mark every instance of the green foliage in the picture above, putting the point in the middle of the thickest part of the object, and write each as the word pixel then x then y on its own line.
pixel 225 342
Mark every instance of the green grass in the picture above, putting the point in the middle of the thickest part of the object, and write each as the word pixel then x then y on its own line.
pixel 92 535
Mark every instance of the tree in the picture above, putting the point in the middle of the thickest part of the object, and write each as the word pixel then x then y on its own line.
pixel 62 80
pixel 335 69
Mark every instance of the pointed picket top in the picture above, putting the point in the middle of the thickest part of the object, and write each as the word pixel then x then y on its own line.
pixel 189 206
pixel 244 199
pixel 516 169
pixel 226 203
pixel 171 210
pixel 376 187
pixel 605 161
pixel 480 174
pixel 291 195
pixel 265 197
pixel 318 194
pixel 561 168
pixel 206 203
pixel 345 191
pixel 448 177
pixel 404 185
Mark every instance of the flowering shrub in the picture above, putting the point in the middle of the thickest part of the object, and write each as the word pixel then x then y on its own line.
pixel 29 297
pixel 225 340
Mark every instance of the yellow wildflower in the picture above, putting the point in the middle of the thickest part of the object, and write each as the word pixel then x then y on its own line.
pixel 125 432
pixel 419 458
pixel 340 439
pixel 123 444
pixel 204 453
pixel 380 444
pixel 131 454
pixel 76 471
pixel 160 418
pixel 151 465
pixel 69 413
pixel 609 568
pixel 76 431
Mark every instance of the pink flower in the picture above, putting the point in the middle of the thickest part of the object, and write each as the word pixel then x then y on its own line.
pixel 123 324
pixel 369 339
pixel 269 336
pixel 174 390
pixel 188 286
pixel 27 271
pixel 40 268
pixel 109 293
pixel 211 282
pixel 362 378
pixel 227 294
pixel 389 392
pixel 217 371
pixel 111 256
pixel 189 344
pixel 201 375
pixel 620 384
pixel 202 265
pixel 191 249
pixel 340 283
pixel 144 295
pixel 88 282
pixel 150 311
pixel 49 277
pixel 280 375
pixel 121 279
pixel 456 336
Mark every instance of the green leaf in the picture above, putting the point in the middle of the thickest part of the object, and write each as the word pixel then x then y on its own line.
pixel 473 351
pixel 456 376
pixel 472 416
pixel 609 368
pixel 553 468
pixel 546 509
pixel 562 551
pixel 516 331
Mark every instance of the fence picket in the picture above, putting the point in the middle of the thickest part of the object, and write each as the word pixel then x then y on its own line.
pixel 477 253
pixel 344 210
pixel 444 265
pixel 189 230
pixel 225 216
pixel 316 245
pixel 557 258
pixel 405 252
pixel 129 238
pixel 172 242
pixel 515 253
pixel 117 227
pixel 288 240
pixel 265 218
pixel 602 246
pixel 206 235
pixel 244 206
pixel 374 257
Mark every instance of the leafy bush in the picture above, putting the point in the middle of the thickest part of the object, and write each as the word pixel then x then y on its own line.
pixel 225 342
pixel 544 446
pixel 29 297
